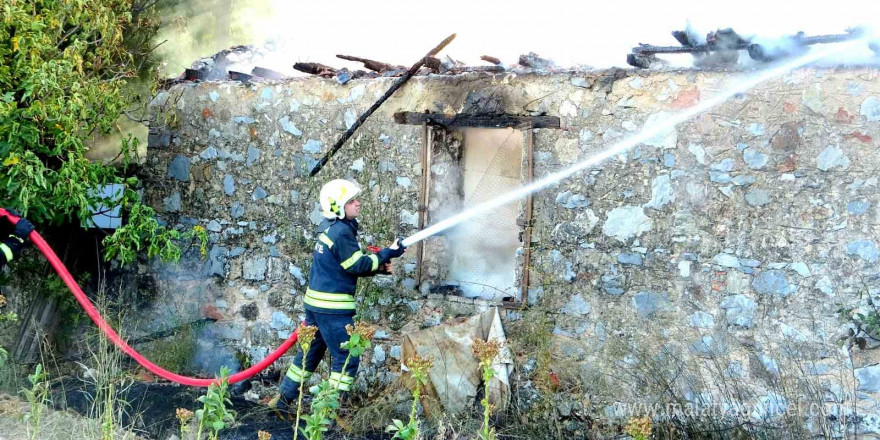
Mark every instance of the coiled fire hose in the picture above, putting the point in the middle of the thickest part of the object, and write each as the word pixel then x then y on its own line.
pixel 96 317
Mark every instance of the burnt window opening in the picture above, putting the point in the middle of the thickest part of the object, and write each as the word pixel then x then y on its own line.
pixel 479 257
pixel 469 159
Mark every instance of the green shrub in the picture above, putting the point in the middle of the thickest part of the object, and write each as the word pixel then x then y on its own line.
pixel 69 71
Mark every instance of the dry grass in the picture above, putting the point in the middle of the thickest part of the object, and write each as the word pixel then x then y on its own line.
pixel 56 425
pixel 376 414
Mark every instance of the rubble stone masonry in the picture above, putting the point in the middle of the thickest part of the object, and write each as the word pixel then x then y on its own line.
pixel 726 256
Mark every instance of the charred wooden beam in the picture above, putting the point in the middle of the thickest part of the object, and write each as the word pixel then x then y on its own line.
pixel 315 69
pixel 363 117
pixel 376 66
pixel 640 61
pixel 492 60
pixel 797 40
pixel 433 63
pixel 647 49
pixel 239 76
pixel 493 69
pixel 476 120
pixel 194 75
pixel 529 207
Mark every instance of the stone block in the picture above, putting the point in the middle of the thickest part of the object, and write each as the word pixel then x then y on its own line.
pixel 255 269
pixel 739 310
pixel 648 304
pixel 179 168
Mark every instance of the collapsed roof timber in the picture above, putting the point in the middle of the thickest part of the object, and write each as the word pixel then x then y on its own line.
pixel 717 48
pixel 721 47
pixel 220 67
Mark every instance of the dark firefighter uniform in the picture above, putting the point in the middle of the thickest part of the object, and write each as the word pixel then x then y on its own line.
pixel 15 241
pixel 338 262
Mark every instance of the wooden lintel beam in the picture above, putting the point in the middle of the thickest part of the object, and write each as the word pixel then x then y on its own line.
pixel 476 120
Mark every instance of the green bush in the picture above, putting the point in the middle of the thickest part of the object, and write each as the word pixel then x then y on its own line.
pixel 69 70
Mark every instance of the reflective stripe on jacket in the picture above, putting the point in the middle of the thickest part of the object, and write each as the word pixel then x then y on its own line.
pixel 9 248
pixel 337 263
pixel 6 254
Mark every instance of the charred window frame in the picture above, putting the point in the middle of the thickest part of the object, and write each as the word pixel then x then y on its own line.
pixel 444 126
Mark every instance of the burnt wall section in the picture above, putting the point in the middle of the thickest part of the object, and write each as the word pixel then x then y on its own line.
pixel 723 248
pixel 445 198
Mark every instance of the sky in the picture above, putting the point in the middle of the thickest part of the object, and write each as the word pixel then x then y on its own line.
pixel 597 33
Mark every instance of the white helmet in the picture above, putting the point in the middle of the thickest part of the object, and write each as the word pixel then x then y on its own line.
pixel 334 195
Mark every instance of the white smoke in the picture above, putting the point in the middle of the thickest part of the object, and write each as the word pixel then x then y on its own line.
pixel 401 32
pixel 482 250
pixel 211 353
pixel 193 30
pixel 780 44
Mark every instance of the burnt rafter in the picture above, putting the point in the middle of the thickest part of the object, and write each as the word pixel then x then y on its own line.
pixel 491 59
pixel 376 66
pixel 363 117
pixel 315 69
pixel 476 120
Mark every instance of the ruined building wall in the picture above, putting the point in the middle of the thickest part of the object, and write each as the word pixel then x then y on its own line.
pixel 721 250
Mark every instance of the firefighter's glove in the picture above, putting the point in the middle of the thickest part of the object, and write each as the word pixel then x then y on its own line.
pixel 393 251
pixel 23 228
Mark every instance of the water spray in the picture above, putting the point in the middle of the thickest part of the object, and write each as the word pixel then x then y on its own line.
pixel 641 137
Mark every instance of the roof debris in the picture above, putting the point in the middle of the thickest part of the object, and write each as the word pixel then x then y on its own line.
pixel 360 120
pixel 534 61
pixel 375 66
pixel 216 68
pixel 263 72
pixel 316 69
pixel 721 47
pixel 239 76
pixel 491 59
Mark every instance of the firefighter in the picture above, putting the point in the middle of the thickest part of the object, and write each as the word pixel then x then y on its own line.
pixel 17 238
pixel 337 263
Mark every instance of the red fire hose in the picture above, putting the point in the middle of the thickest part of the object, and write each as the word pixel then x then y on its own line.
pixel 86 304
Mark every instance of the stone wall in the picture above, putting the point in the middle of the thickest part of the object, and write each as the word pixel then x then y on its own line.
pixel 718 253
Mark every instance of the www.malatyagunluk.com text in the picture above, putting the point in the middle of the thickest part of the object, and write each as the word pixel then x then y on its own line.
pixel 766 408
